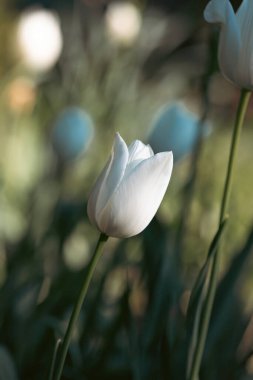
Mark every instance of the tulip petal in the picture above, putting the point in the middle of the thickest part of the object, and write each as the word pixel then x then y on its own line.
pixel 137 153
pixel 244 16
pixel 137 150
pixel 109 179
pixel 142 192
pixel 115 172
pixel 221 11
pixel 215 11
pixel 91 206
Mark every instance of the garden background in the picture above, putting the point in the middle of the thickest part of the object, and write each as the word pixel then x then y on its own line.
pixel 133 324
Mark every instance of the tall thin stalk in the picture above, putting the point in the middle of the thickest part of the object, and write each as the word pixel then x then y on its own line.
pixel 77 308
pixel 214 265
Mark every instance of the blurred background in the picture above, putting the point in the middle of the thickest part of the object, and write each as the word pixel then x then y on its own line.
pixel 73 73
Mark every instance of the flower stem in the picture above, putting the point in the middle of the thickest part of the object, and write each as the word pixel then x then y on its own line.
pixel 56 349
pixel 214 265
pixel 241 110
pixel 77 308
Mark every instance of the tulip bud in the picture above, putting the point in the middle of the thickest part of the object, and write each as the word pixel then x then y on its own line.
pixel 236 39
pixel 177 129
pixel 130 189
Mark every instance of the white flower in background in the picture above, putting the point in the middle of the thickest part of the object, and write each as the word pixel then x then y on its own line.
pixel 123 22
pixel 39 39
pixel 130 189
pixel 236 40
pixel 176 128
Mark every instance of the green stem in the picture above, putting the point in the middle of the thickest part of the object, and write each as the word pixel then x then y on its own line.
pixel 56 349
pixel 241 110
pixel 77 308
pixel 214 265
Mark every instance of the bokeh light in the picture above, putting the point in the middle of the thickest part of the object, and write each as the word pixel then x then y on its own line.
pixel 176 128
pixel 72 132
pixel 39 38
pixel 123 22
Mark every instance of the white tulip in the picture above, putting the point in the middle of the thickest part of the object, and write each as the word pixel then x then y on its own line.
pixel 236 40
pixel 130 189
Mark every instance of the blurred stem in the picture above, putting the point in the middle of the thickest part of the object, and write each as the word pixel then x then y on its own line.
pixel 77 308
pixel 214 265
pixel 56 349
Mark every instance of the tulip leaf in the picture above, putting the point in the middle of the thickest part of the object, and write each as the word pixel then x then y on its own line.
pixel 226 300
